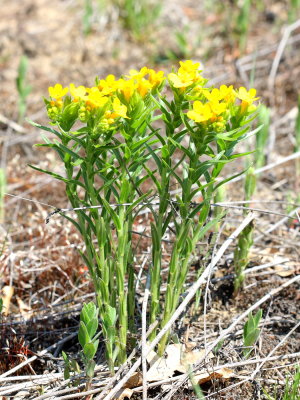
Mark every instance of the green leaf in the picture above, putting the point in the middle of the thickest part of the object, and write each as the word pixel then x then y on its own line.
pixel 140 200
pixel 90 368
pixel 56 176
pixel 251 332
pixel 92 327
pixel 89 311
pixel 79 161
pixel 75 366
pixel 45 128
pixel 113 214
pixel 89 350
pixel 229 179
pixel 83 335
pixel 110 316
pixel 67 373
pixel 65 358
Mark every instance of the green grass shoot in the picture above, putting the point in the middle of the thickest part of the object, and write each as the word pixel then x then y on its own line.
pixel 22 87
pixel 251 332
pixel 262 136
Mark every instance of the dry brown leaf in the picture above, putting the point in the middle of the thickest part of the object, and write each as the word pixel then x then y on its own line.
pixel 7 293
pixel 123 394
pixel 191 357
pixel 134 381
pixel 223 373
pixel 284 270
pixel 177 359
pixel 24 308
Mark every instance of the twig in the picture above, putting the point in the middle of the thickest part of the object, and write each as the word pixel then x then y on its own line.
pixel 218 367
pixel 269 166
pixel 12 124
pixel 275 226
pixel 288 30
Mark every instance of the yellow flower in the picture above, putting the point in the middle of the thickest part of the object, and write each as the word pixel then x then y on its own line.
pixel 95 99
pixel 188 66
pixel 247 97
pixel 201 112
pixel 77 92
pixel 143 87
pixel 120 109
pixel 214 95
pixel 127 88
pixel 224 93
pixel 181 81
pixel 227 93
pixel 134 74
pixel 108 85
pixel 216 107
pixel 57 91
pixel 188 74
pixel 155 78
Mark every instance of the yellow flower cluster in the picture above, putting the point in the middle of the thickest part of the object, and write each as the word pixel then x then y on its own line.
pixel 218 105
pixel 188 74
pixel 111 99
pixel 111 95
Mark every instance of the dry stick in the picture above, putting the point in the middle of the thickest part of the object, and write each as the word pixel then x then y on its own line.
pixel 207 283
pixel 218 367
pixel 190 294
pixel 279 53
pixel 269 166
pixel 12 124
pixel 144 336
pixel 275 226
pixel 224 333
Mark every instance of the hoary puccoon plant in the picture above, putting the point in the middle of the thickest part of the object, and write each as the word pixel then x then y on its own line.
pixel 124 143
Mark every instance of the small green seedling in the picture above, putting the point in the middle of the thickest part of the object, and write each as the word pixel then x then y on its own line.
pixel 139 17
pixel 262 136
pixel 250 184
pixel 23 89
pixel 87 17
pixel 71 368
pixel 220 197
pixel 251 332
pixel 245 240
pixel 294 7
pixel 243 23
pixel 88 338
pixel 2 191
pixel 297 141
pixel 196 387
pixel 109 329
pixel 291 388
